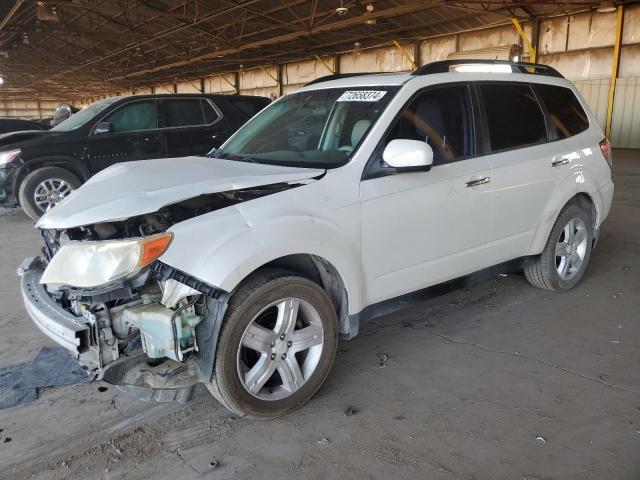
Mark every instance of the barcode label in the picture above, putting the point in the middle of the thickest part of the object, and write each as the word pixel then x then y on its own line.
pixel 362 96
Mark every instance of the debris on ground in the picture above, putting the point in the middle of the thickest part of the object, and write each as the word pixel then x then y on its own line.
pixel 382 359
pixel 350 411
pixel 324 441
pixel 541 439
pixel 52 366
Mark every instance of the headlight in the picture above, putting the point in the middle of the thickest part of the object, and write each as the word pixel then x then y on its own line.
pixel 8 156
pixel 92 264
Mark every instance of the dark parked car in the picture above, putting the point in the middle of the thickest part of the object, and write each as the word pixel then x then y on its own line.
pixel 8 125
pixel 40 168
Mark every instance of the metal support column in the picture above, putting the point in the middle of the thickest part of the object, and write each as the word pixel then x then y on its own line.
pixel 614 68
pixel 279 70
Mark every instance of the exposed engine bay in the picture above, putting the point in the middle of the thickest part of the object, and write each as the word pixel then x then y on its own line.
pixel 160 311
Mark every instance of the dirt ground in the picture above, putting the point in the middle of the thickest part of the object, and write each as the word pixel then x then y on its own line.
pixel 497 381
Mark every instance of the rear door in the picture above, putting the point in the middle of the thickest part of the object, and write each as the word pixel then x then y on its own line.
pixel 522 178
pixel 191 126
pixel 134 135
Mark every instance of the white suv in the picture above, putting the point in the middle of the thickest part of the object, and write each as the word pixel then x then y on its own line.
pixel 241 269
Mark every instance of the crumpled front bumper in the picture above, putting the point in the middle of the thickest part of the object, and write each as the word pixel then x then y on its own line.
pixel 76 334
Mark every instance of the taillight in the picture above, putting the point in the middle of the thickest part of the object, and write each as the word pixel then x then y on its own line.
pixel 605 146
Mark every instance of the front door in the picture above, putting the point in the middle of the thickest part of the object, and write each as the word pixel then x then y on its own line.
pixel 423 228
pixel 132 134
pixel 192 126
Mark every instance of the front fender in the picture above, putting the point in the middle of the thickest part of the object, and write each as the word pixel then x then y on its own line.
pixel 223 247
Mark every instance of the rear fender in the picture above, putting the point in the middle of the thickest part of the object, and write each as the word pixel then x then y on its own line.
pixel 577 182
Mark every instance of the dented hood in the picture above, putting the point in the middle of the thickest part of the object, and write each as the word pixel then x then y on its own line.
pixel 135 188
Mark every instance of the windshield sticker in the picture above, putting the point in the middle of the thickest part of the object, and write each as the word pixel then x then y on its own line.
pixel 362 96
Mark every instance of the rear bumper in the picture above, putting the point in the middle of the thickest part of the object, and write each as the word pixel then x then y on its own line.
pixel 73 333
pixel 605 195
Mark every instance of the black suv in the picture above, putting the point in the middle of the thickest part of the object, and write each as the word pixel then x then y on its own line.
pixel 40 168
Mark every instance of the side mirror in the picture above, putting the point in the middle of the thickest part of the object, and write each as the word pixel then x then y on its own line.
pixel 103 127
pixel 408 155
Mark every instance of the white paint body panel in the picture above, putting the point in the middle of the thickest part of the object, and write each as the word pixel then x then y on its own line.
pixel 134 188
pixel 385 236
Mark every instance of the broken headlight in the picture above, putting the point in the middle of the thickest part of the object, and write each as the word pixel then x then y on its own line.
pixel 92 264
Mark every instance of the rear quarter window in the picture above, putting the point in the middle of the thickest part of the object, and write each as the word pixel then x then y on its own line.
pixel 247 106
pixel 567 116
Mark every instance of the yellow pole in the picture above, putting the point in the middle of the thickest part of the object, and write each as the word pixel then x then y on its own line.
pixel 614 69
pixel 525 39
pixel 405 54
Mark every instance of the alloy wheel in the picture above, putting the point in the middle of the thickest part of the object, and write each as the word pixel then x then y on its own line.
pixel 571 248
pixel 50 192
pixel 280 349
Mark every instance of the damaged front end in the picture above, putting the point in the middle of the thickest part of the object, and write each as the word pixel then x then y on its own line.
pixel 140 308
pixel 150 314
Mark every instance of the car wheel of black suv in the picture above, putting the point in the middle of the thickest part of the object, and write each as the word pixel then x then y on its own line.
pixel 276 346
pixel 566 255
pixel 43 188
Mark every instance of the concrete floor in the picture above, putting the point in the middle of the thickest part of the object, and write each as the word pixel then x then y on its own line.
pixel 497 381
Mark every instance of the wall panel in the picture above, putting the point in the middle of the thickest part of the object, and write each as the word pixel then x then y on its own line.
pixel 625 124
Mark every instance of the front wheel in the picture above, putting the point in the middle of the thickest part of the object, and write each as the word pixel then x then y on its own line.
pixel 276 346
pixel 566 254
pixel 43 188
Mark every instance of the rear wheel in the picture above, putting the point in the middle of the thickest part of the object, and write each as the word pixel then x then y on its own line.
pixel 566 255
pixel 43 188
pixel 276 346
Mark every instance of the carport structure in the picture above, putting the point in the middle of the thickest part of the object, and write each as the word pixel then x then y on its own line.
pixel 81 50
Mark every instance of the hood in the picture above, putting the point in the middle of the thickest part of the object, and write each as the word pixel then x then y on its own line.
pixel 15 137
pixel 134 188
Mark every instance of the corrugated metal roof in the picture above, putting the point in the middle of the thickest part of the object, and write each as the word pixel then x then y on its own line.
pixel 88 48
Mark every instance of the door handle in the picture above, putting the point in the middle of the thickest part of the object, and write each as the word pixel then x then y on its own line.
pixel 477 181
pixel 559 161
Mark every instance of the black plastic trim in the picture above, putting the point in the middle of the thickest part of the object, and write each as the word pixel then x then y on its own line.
pixel 162 271
pixel 443 66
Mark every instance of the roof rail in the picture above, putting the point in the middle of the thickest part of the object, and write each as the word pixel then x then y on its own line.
pixel 444 66
pixel 337 76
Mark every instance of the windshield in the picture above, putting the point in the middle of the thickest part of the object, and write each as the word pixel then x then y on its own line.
pixel 316 129
pixel 83 116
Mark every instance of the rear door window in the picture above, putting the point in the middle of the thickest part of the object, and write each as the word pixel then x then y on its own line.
pixel 567 116
pixel 140 115
pixel 514 116
pixel 182 112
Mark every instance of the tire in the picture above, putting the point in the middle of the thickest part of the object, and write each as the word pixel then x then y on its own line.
pixel 61 182
pixel 554 272
pixel 256 304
